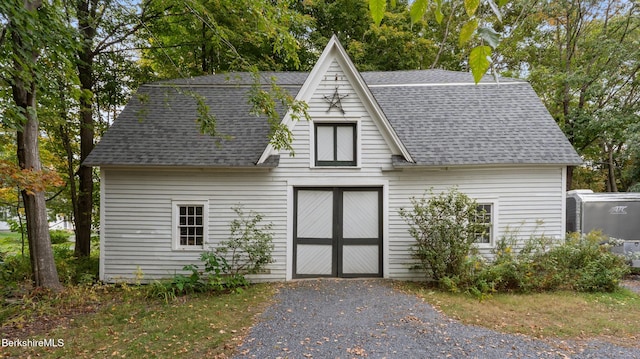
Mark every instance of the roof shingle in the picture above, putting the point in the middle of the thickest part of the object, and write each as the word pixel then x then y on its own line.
pixel 441 117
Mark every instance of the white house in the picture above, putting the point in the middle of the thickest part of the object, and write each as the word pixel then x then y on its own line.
pixel 375 140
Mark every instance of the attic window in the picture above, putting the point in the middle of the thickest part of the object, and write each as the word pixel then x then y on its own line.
pixel 335 144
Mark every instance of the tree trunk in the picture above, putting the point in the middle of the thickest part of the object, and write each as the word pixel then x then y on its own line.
pixel 44 268
pixel 84 207
pixel 569 178
pixel 611 173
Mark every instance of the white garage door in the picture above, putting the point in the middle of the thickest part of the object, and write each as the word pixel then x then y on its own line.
pixel 337 232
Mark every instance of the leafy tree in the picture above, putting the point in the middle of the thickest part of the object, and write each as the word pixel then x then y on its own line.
pixel 583 58
pixel 102 25
pixel 396 44
pixel 479 25
pixel 29 28
pixel 205 37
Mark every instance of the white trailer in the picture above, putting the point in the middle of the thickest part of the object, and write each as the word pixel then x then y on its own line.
pixel 615 214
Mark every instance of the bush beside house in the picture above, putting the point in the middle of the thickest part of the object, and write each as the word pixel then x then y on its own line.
pixel 444 230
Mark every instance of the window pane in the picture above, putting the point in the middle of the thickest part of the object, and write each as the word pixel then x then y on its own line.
pixel 191 225
pixel 483 217
pixel 345 143
pixel 325 143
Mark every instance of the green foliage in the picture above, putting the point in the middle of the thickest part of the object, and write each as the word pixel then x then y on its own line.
pixel 205 37
pixel 215 277
pixel 248 249
pixel 467 30
pixel 59 236
pixel 471 6
pixel 15 269
pixel 479 61
pixel 583 63
pixel 444 228
pixel 266 102
pixel 17 226
pixel 377 8
pixel 73 270
pixel 581 263
pixel 417 10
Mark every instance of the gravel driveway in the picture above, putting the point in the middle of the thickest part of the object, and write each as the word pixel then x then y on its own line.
pixel 368 318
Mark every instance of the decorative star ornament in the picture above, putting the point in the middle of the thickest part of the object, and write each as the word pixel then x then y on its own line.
pixel 334 101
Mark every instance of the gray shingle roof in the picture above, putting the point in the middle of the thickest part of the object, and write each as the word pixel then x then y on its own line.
pixel 158 128
pixel 471 125
pixel 440 123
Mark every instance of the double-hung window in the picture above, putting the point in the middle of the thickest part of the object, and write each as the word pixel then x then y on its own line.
pixel 335 144
pixel 484 218
pixel 189 225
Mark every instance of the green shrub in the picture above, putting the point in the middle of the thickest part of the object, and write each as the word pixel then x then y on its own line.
pixel 59 236
pixel 580 263
pixel 72 270
pixel 249 247
pixel 14 269
pixel 444 229
pixel 247 251
pixel 587 265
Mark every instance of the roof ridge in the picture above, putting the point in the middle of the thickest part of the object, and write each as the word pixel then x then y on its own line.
pixel 430 84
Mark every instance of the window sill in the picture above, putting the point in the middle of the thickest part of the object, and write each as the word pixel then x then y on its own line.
pixel 483 245
pixel 188 249
pixel 336 168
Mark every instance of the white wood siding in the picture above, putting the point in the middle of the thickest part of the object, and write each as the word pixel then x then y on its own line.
pixel 529 201
pixel 137 222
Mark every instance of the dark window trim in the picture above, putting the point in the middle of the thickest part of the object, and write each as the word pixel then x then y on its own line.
pixel 335 161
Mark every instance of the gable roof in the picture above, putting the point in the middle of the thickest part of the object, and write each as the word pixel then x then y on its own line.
pixel 441 118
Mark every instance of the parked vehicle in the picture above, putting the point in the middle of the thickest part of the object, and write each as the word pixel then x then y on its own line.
pixel 615 214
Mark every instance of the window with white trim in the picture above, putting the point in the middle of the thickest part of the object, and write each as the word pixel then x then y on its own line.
pixel 335 144
pixel 484 217
pixel 189 225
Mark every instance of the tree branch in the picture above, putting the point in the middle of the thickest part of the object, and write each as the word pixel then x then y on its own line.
pixel 106 43
pixel 2 34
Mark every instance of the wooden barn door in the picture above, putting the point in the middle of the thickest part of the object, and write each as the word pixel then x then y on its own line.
pixel 337 232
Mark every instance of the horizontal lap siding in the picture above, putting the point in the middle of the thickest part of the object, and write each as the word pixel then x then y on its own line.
pixel 138 217
pixel 524 196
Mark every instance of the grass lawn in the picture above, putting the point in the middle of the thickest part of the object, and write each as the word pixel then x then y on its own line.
pixel 122 323
pixel 613 317
pixel 108 321
pixel 11 243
